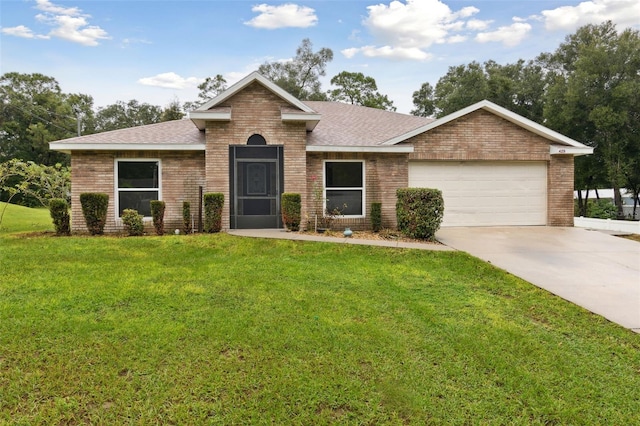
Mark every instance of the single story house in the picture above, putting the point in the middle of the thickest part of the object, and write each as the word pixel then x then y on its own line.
pixel 255 141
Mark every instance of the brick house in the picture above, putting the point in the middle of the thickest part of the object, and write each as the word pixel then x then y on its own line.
pixel 255 141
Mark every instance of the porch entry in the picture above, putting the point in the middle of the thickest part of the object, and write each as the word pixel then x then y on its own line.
pixel 256 182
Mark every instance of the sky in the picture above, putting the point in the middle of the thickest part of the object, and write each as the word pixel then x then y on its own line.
pixel 156 51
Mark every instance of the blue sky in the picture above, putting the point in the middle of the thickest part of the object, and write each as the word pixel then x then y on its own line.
pixel 155 51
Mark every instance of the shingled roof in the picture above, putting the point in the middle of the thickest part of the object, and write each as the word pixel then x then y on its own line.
pixel 353 125
pixel 180 135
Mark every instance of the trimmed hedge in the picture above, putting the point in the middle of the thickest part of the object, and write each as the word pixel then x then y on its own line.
pixel 59 210
pixel 94 209
pixel 419 212
pixel 186 217
pixel 376 217
pixel 291 210
pixel 157 214
pixel 132 221
pixel 213 203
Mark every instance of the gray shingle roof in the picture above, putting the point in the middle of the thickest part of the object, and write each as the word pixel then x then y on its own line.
pixel 179 132
pixel 352 125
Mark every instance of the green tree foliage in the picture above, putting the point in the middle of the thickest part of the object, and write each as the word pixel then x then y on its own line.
pixel 35 181
pixel 518 87
pixel 357 89
pixel 33 112
pixel 423 101
pixel 173 111
pixel 209 89
pixel 130 114
pixel 594 81
pixel 301 75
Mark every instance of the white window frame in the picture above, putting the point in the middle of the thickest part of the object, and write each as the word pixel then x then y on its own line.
pixel 117 189
pixel 363 188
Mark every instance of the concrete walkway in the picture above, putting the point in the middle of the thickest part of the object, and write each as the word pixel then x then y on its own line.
pixel 284 235
pixel 594 270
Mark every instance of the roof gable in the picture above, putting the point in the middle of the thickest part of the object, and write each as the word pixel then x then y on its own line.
pixel 504 113
pixel 214 110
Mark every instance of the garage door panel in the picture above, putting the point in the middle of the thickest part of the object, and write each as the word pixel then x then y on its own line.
pixel 486 193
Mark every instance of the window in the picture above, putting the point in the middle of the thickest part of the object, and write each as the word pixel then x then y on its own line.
pixel 344 186
pixel 137 183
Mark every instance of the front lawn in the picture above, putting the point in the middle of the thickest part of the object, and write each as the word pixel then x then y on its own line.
pixel 224 330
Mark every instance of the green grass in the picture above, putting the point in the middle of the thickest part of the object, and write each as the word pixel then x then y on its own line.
pixel 22 219
pixel 216 329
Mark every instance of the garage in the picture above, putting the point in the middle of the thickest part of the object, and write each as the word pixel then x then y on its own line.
pixel 486 193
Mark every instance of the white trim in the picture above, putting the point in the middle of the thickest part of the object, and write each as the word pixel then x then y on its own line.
pixel 254 76
pixel 68 147
pixel 363 188
pixel 500 112
pixel 563 150
pixel 200 118
pixel 116 188
pixel 311 119
pixel 398 149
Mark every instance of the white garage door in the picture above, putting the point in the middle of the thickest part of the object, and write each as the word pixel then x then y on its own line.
pixel 482 193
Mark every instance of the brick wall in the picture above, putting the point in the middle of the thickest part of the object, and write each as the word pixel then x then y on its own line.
pixel 384 174
pixel 182 174
pixel 255 110
pixel 485 136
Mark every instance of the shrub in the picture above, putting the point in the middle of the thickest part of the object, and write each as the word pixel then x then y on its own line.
pixel 132 222
pixel 419 212
pixel 94 209
pixel 157 214
pixel 376 216
pixel 602 209
pixel 186 217
pixel 213 203
pixel 291 210
pixel 59 210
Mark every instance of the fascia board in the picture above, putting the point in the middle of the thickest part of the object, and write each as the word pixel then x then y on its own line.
pixel 564 150
pixel 68 147
pixel 403 149
pixel 312 120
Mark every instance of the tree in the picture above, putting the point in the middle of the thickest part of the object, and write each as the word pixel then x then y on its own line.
pixel 123 115
pixel 209 89
pixel 357 89
pixel 301 75
pixel 594 82
pixel 423 101
pixel 34 112
pixel 173 111
pixel 519 87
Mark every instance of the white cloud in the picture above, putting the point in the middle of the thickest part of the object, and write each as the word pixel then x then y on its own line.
pixel 478 25
pixel 171 80
pixel 282 16
pixel 69 23
pixel 412 53
pixel 625 13
pixel 407 30
pixel 510 35
pixel 21 31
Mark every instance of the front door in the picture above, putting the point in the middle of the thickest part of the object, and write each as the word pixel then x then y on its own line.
pixel 256 185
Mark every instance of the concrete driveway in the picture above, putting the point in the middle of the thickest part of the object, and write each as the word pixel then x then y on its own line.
pixel 594 270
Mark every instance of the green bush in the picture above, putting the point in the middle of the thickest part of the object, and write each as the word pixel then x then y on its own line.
pixel 213 203
pixel 157 214
pixel 132 221
pixel 376 217
pixel 291 210
pixel 186 217
pixel 602 209
pixel 59 210
pixel 419 212
pixel 94 209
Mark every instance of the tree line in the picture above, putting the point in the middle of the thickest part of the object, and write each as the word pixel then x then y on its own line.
pixel 586 89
